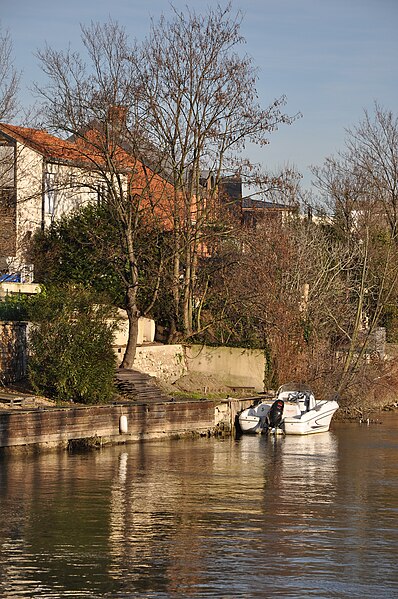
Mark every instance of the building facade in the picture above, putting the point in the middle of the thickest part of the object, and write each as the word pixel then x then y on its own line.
pixel 43 177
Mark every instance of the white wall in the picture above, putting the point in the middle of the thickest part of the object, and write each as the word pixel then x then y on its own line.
pixel 29 194
pixel 73 187
pixel 237 366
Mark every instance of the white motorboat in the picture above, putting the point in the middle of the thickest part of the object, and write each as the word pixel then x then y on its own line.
pixel 294 412
pixel 258 418
pixel 254 418
pixel 311 416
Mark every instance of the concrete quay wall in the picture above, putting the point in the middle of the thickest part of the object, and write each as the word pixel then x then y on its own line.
pixel 234 366
pixel 118 423
pixel 237 366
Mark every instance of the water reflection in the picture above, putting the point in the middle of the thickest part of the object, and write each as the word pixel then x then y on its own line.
pixel 308 469
pixel 254 517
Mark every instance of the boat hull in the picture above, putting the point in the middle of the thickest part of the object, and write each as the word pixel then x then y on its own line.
pixel 316 420
pixel 253 420
pixel 250 424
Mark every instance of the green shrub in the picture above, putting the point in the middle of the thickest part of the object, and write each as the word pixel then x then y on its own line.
pixel 70 344
pixel 14 307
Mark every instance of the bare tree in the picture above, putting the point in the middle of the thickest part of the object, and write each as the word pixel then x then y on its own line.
pixel 9 78
pixel 199 102
pixel 361 188
pixel 189 105
pixel 285 291
pixel 9 81
pixel 372 151
pixel 93 101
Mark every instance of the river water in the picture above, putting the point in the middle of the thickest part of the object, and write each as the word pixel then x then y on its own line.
pixel 250 517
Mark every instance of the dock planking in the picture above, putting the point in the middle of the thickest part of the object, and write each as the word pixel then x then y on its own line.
pixel 57 426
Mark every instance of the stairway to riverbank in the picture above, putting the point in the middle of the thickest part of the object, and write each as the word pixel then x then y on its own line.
pixel 139 386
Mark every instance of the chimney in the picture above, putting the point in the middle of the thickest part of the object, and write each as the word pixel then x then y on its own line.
pixel 117 116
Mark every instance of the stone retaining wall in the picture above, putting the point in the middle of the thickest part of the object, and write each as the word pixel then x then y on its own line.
pixel 236 366
pixel 166 362
pixel 13 351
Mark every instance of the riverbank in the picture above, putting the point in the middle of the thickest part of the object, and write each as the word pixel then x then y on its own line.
pixel 193 406
pixel 371 406
pixel 196 386
pixel 29 422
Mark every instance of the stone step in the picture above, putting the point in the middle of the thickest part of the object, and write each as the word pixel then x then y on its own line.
pixel 138 385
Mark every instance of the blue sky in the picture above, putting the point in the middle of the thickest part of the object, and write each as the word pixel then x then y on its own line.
pixel 332 58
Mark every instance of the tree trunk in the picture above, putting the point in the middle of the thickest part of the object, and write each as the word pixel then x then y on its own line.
pixel 175 285
pixel 186 304
pixel 133 316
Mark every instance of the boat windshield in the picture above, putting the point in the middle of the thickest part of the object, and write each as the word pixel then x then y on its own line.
pixel 294 388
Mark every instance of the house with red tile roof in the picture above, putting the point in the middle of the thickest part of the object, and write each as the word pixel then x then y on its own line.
pixel 43 177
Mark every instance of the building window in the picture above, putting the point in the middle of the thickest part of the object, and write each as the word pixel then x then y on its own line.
pixel 101 193
pixel 49 193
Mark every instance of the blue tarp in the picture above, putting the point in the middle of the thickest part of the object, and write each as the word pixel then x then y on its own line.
pixel 11 278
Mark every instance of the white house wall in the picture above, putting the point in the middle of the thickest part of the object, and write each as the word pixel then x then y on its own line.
pixel 71 187
pixel 29 187
pixel 68 187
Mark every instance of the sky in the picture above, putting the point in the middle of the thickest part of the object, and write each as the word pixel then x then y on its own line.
pixel 332 59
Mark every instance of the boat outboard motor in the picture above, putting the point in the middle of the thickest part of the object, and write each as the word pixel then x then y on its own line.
pixel 275 414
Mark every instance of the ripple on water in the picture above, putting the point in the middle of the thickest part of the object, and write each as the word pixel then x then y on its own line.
pixel 255 517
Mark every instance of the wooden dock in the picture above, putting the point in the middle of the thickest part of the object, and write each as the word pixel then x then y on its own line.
pixel 51 428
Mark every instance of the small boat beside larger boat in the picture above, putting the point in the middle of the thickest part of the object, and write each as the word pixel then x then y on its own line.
pixel 294 412
pixel 254 419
